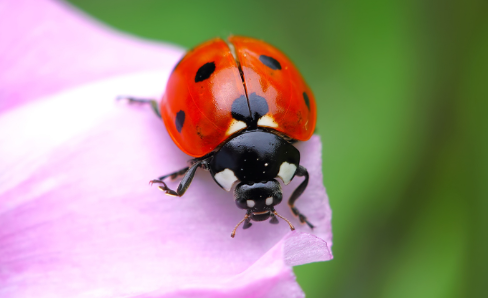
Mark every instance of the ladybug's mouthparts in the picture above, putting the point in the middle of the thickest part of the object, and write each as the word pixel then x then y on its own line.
pixel 247 218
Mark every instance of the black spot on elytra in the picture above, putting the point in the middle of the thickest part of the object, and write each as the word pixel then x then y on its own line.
pixel 307 101
pixel 204 71
pixel 270 62
pixel 257 106
pixel 240 109
pixel 180 120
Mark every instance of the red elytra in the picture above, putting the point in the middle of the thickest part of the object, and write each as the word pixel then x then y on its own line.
pixel 202 106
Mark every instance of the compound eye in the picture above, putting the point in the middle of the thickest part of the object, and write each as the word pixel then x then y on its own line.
pixel 243 203
pixel 275 199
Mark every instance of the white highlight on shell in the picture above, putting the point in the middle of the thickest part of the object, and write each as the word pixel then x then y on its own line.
pixel 267 121
pixel 269 201
pixel 287 170
pixel 235 126
pixel 250 203
pixel 232 49
pixel 226 179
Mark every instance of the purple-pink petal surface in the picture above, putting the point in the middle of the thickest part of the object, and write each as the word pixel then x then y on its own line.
pixel 77 216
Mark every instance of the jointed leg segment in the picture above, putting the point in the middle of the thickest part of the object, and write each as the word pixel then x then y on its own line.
pixel 189 173
pixel 175 174
pixel 301 172
pixel 152 102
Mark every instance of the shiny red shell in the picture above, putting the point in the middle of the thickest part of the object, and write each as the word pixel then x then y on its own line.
pixel 197 107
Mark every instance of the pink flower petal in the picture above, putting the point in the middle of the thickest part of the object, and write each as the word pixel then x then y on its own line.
pixel 49 46
pixel 77 218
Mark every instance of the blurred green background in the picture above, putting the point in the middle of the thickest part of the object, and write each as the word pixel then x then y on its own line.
pixel 402 92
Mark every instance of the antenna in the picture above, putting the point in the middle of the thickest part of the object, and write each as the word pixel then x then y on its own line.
pixel 291 226
pixel 234 231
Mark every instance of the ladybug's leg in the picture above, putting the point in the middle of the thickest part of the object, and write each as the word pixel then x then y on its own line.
pixel 185 182
pixel 301 172
pixel 152 102
pixel 175 174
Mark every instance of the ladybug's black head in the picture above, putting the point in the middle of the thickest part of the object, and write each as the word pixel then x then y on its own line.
pixel 258 198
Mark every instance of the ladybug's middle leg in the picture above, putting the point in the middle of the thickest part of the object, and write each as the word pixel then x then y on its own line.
pixel 188 172
pixel 301 172
pixel 152 102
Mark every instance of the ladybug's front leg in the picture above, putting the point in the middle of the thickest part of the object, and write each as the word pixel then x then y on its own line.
pixel 185 182
pixel 301 172
pixel 175 174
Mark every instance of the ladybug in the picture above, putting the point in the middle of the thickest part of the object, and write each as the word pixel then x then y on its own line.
pixel 237 106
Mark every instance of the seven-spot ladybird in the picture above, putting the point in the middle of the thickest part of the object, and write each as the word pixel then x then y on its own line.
pixel 237 107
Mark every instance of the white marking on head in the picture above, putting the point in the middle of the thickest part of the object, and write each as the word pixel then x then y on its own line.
pixel 250 203
pixel 235 126
pixel 226 179
pixel 267 121
pixel 269 201
pixel 287 170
